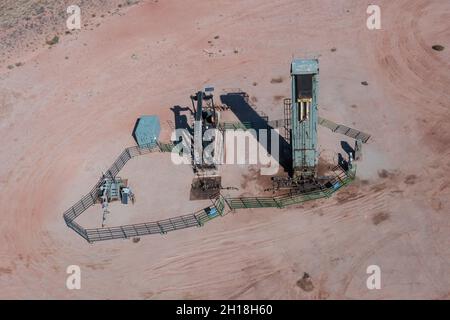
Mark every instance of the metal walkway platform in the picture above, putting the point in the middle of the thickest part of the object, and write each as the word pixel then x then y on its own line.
pixel 349 132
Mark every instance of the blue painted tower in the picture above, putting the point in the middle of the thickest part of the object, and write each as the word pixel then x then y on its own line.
pixel 304 117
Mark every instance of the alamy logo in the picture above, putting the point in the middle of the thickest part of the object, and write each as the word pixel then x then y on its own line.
pixel 374 280
pixel 374 20
pixel 74 20
pixel 218 147
pixel 74 279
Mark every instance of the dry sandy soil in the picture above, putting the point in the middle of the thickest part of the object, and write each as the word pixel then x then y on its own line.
pixel 68 111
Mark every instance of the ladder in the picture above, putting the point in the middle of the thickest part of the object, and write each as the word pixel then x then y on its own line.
pixel 287 119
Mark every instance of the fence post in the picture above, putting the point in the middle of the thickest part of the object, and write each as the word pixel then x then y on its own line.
pixel 146 227
pixel 200 224
pixel 171 222
pixel 185 224
pixel 124 233
pixel 161 228
pixel 277 203
pixel 135 230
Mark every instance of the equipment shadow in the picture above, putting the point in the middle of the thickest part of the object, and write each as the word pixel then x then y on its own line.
pixel 238 103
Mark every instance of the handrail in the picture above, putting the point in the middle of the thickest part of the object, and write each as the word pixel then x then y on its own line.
pixel 196 219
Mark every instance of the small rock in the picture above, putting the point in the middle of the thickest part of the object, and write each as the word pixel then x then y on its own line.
pixel 276 80
pixel 53 41
pixel 132 2
pixel 438 47
pixel 305 283
pixel 383 173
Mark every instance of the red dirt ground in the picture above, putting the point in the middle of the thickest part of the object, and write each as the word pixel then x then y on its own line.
pixel 68 111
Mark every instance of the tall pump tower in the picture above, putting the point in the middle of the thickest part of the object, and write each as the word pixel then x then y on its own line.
pixel 304 118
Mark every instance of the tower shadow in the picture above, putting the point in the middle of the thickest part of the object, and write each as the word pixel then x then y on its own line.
pixel 238 104
pixel 181 120
pixel 342 162
pixel 347 148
